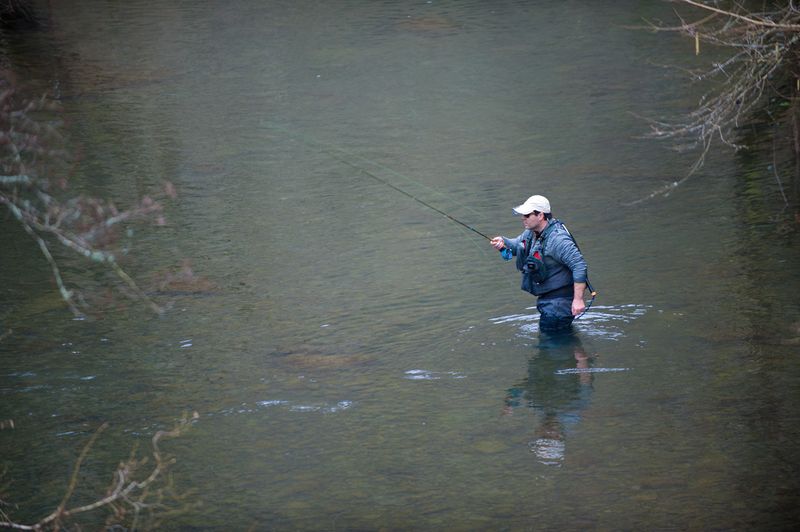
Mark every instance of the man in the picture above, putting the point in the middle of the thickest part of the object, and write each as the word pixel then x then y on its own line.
pixel 552 266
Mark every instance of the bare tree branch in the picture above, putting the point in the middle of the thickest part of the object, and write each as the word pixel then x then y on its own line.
pixel 765 49
pixel 32 169
pixel 749 20
pixel 125 492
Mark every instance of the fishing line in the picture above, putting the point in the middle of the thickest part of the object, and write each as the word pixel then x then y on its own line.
pixel 332 151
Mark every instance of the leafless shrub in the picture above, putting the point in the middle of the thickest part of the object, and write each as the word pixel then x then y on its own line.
pixel 140 495
pixel 763 63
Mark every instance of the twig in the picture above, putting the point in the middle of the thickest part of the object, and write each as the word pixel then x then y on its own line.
pixel 66 295
pixel 122 488
pixel 777 177
pixel 769 23
pixel 73 481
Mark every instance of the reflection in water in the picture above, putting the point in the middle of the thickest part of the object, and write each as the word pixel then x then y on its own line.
pixel 558 398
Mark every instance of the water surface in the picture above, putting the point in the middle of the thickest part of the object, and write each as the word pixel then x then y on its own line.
pixel 362 362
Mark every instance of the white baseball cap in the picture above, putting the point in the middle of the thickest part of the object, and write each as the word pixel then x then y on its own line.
pixel 534 203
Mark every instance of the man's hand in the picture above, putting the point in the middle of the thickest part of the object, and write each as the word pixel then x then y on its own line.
pixel 497 243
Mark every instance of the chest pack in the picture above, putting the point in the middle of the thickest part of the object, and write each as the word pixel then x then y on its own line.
pixel 534 253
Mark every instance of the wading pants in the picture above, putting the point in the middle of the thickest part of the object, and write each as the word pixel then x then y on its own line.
pixel 555 314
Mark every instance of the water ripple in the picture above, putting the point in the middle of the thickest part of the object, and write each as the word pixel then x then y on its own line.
pixel 601 321
pixel 248 408
pixel 573 371
pixel 425 375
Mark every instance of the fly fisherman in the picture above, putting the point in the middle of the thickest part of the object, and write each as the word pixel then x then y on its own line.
pixel 552 266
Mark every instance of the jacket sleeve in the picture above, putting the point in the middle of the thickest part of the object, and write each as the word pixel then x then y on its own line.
pixel 567 253
pixel 514 244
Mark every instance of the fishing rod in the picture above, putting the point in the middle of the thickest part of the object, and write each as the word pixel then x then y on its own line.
pixel 407 194
pixel 333 153
pixel 505 252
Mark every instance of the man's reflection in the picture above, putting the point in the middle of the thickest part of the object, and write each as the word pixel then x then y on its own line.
pixel 557 398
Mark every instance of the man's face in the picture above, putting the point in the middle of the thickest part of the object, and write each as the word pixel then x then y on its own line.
pixel 532 221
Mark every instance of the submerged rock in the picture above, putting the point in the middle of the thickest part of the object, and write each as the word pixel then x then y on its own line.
pixel 183 281
pixel 309 359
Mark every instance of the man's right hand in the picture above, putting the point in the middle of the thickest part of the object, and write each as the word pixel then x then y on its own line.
pixel 497 243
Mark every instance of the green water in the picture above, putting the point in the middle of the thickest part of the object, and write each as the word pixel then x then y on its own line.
pixel 361 362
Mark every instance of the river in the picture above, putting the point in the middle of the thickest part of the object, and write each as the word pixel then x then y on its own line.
pixel 356 360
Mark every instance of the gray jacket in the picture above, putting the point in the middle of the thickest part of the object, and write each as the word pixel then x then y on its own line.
pixel 564 264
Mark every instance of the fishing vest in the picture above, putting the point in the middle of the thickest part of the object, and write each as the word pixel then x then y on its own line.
pixel 541 272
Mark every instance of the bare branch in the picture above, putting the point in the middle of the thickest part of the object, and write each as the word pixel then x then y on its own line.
pixel 764 54
pixel 749 20
pixel 32 166
pixel 73 481
pixel 66 294
pixel 124 490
